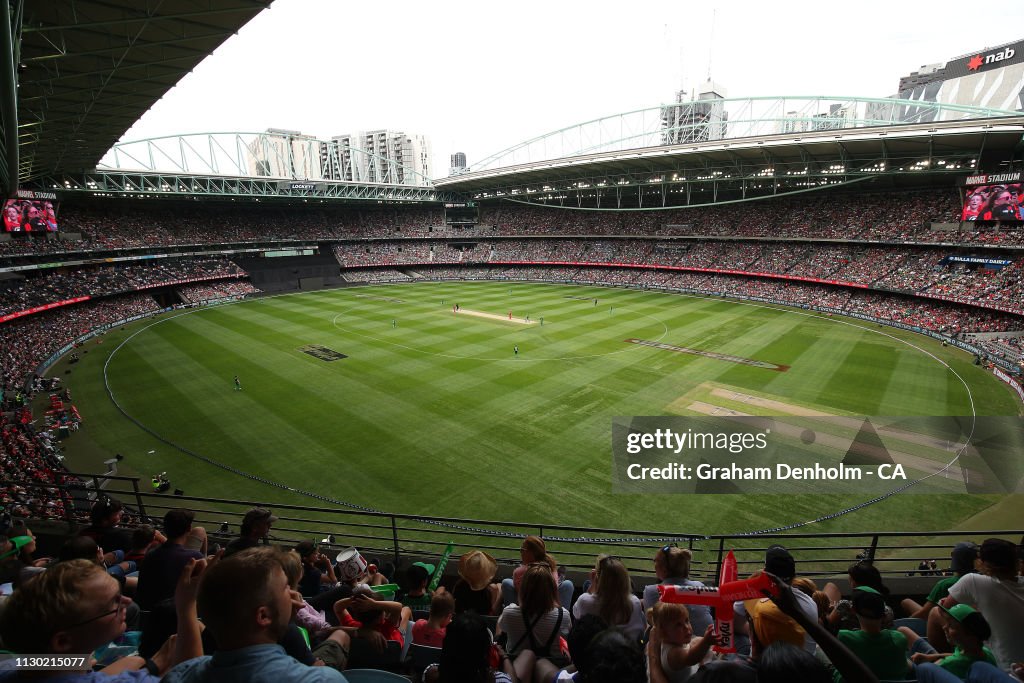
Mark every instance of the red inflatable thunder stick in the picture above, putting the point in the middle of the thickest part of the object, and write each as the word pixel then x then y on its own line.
pixel 724 616
pixel 721 598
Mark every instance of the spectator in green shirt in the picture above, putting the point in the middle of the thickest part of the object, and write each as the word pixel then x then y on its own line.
pixel 884 651
pixel 966 630
pixel 963 556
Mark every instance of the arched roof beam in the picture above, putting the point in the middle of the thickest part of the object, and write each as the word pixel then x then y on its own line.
pixel 755 121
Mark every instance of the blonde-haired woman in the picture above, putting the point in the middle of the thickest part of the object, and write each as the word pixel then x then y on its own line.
pixel 611 598
pixel 672 567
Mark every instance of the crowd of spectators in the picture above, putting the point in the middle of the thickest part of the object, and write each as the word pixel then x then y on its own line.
pixel 386 253
pixel 1010 348
pixel 894 217
pixel 45 287
pixel 114 226
pixel 27 342
pixel 215 290
pixel 1003 288
pixel 29 449
pixel 31 456
pixel 897 217
pixel 277 612
pixel 378 275
pixel 920 270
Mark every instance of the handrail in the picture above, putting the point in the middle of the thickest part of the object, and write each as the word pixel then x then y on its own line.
pixel 399 534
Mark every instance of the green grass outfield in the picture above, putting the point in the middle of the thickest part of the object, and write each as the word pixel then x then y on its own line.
pixel 434 414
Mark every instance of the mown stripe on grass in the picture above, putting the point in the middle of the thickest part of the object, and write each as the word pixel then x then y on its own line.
pixel 854 383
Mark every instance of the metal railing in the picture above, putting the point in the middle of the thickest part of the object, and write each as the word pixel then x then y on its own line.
pixel 397 537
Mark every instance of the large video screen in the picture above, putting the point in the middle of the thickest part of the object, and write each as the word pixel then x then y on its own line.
pixel 994 203
pixel 30 215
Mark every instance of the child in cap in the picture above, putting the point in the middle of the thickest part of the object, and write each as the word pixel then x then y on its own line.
pixel 431 631
pixel 884 651
pixel 966 630
pixel 417 578
pixel 672 644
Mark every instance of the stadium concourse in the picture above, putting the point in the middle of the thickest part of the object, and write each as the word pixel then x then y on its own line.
pixel 872 255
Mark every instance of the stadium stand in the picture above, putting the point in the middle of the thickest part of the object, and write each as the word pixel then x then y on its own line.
pixel 894 217
pixel 47 288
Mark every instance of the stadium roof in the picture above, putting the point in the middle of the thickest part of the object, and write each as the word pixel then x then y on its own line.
pixel 88 69
pixel 744 168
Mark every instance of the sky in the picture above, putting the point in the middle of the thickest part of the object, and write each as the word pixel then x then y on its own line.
pixel 478 77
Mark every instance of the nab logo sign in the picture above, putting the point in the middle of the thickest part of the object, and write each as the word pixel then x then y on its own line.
pixel 977 61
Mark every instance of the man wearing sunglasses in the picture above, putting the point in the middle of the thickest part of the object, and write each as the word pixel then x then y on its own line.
pixel 61 616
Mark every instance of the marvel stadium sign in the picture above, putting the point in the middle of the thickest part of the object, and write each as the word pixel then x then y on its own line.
pixel 994 178
pixel 35 194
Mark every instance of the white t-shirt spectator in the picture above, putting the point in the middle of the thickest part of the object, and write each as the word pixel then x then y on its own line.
pixel 1001 602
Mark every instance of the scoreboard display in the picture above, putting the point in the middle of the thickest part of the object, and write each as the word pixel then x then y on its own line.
pixel 463 214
